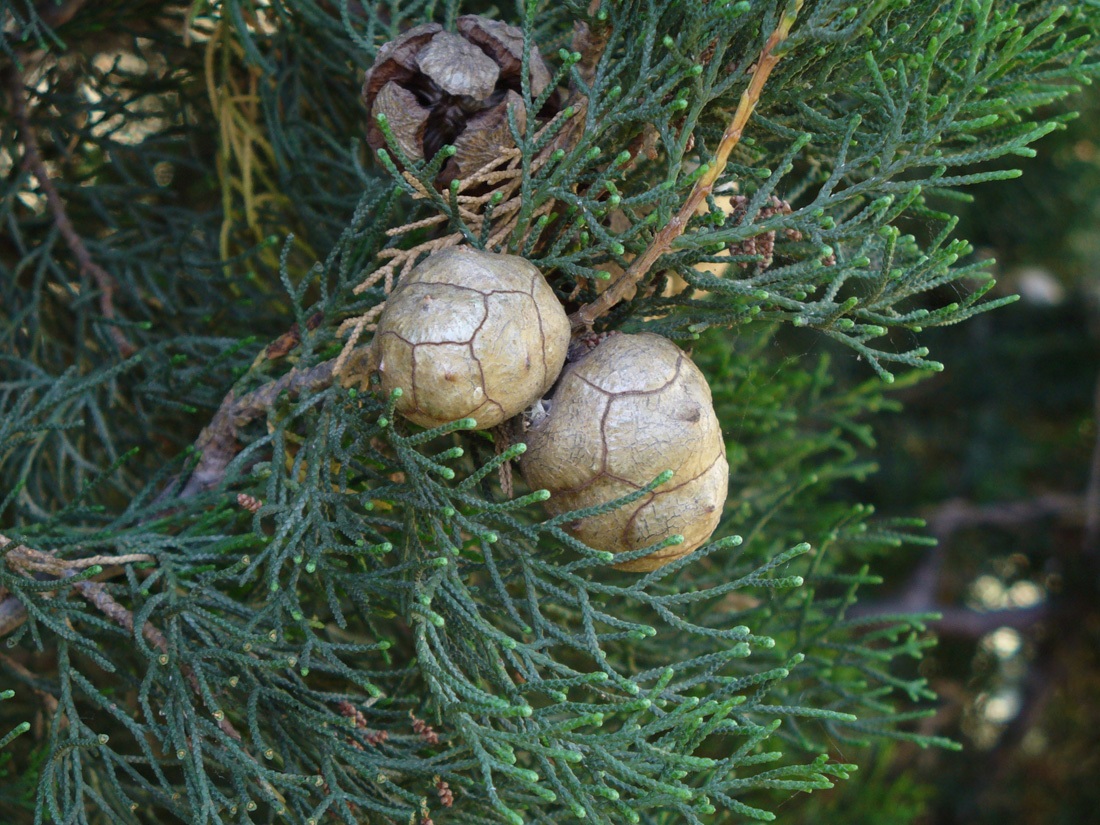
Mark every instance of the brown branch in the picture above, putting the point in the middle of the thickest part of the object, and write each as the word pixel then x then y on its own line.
pixel 12 614
pixel 51 564
pixel 28 560
pixel 33 162
pixel 624 287
pixel 217 443
pixel 23 558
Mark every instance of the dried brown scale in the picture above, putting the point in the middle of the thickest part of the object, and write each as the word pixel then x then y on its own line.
pixel 503 174
pixel 446 795
pixel 249 503
pixel 470 334
pixel 621 415
pixel 425 731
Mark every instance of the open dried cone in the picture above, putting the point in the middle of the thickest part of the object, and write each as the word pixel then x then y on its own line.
pixel 630 409
pixel 437 87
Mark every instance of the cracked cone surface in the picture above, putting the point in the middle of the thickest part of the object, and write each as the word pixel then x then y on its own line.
pixel 627 411
pixel 470 334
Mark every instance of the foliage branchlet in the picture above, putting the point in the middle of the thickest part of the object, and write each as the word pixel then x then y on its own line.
pixel 233 587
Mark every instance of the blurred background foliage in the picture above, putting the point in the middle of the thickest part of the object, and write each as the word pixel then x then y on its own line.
pixel 999 454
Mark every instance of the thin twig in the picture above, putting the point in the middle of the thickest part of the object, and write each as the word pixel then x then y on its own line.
pixel 12 611
pixel 28 560
pixel 32 160
pixel 52 564
pixel 624 287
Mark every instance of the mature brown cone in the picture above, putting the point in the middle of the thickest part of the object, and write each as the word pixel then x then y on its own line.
pixel 470 334
pixel 438 87
pixel 621 415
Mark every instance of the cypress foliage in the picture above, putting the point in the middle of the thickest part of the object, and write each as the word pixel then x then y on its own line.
pixel 236 587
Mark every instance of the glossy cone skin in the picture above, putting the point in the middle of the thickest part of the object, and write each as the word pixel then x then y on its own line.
pixel 630 409
pixel 470 334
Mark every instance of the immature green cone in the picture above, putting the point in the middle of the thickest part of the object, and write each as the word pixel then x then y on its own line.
pixel 622 414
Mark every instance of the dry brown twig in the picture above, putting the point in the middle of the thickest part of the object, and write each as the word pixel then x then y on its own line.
pixel 34 163
pixel 623 288
pixel 29 561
